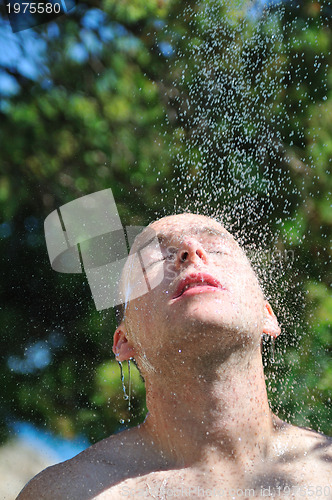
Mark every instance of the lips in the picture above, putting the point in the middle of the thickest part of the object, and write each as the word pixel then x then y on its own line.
pixel 196 280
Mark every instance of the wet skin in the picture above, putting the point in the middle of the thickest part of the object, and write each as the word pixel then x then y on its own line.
pixel 209 423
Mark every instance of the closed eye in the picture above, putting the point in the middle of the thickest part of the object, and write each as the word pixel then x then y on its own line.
pixel 219 252
pixel 167 257
pixel 154 262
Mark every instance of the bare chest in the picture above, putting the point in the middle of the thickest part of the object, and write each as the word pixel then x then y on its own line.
pixel 200 483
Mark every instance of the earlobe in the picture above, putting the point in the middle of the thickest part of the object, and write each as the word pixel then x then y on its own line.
pixel 271 326
pixel 122 348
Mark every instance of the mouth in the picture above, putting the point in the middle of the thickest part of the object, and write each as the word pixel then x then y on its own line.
pixel 197 283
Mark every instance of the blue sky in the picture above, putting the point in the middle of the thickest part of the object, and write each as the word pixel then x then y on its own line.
pixel 21 52
pixel 25 52
pixel 54 448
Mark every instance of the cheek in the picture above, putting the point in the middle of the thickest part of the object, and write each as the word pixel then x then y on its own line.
pixel 140 316
pixel 143 326
pixel 170 273
pixel 249 291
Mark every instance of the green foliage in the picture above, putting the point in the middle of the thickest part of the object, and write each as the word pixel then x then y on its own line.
pixel 114 119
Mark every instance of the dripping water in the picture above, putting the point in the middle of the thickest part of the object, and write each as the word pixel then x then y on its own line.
pixel 129 388
pixel 126 397
pixel 228 143
pixel 272 349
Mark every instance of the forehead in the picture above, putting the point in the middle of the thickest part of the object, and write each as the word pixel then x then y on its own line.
pixel 177 226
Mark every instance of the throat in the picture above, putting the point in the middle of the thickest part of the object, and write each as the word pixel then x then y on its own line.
pixel 225 413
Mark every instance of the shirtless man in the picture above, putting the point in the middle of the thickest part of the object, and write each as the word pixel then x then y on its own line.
pixel 209 432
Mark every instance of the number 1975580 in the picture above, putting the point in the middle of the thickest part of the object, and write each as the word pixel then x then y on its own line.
pixel 33 8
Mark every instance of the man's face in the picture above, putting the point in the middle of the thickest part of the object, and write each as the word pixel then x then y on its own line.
pixel 209 296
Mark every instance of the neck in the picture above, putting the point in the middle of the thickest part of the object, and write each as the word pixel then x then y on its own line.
pixel 200 408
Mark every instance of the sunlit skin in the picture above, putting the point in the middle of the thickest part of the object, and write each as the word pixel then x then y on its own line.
pixel 209 424
pixel 209 340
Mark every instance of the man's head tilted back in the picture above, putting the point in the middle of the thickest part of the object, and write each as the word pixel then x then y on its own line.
pixel 196 339
pixel 208 303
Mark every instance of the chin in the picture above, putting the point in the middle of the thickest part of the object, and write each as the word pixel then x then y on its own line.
pixel 215 312
pixel 204 320
pixel 219 324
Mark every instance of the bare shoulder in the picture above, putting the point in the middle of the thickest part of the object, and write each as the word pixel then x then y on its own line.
pixel 93 471
pixel 310 441
pixel 58 481
pixel 310 450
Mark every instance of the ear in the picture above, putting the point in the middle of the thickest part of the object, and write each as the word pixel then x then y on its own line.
pixel 271 326
pixel 122 348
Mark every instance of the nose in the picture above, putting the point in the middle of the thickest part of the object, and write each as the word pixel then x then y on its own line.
pixel 192 252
